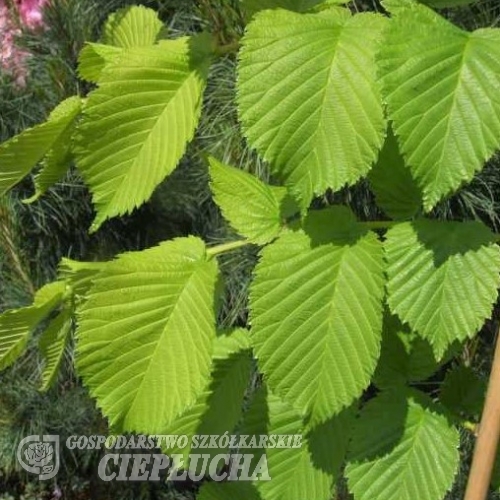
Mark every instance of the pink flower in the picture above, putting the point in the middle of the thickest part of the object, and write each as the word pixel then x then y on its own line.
pixel 4 17
pixel 12 58
pixel 30 12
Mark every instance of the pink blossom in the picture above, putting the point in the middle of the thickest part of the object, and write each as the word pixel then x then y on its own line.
pixel 12 57
pixel 30 12
pixel 4 17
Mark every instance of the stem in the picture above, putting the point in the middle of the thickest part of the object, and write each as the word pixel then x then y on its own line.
pixel 227 247
pixel 234 245
pixel 488 435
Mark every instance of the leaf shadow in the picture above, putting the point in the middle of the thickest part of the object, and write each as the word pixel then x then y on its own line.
pixel 448 239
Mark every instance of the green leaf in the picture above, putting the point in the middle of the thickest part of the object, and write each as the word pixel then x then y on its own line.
pixel 52 346
pixel 16 325
pixel 218 409
pixel 311 470
pixel 308 98
pixel 402 450
pixel 231 342
pixel 440 88
pixel 93 59
pixel 137 124
pixel 230 490
pixel 288 206
pixel 127 28
pixel 316 312
pixel 134 26
pixel 405 356
pixel 395 189
pixel 328 4
pixel 249 204
pixel 307 471
pixel 442 278
pixel 145 334
pixel 60 156
pixel 21 153
pixel 54 166
pixel 79 275
pixel 463 392
pixel 251 7
pixel 49 293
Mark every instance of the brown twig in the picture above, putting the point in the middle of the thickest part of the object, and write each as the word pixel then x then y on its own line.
pixel 488 435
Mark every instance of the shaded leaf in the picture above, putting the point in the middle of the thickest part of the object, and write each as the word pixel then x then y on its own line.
pixel 402 450
pixel 443 278
pixel 463 392
pixel 20 154
pixel 16 325
pixel 93 59
pixel 405 356
pixel 218 409
pixel 395 190
pixel 52 346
